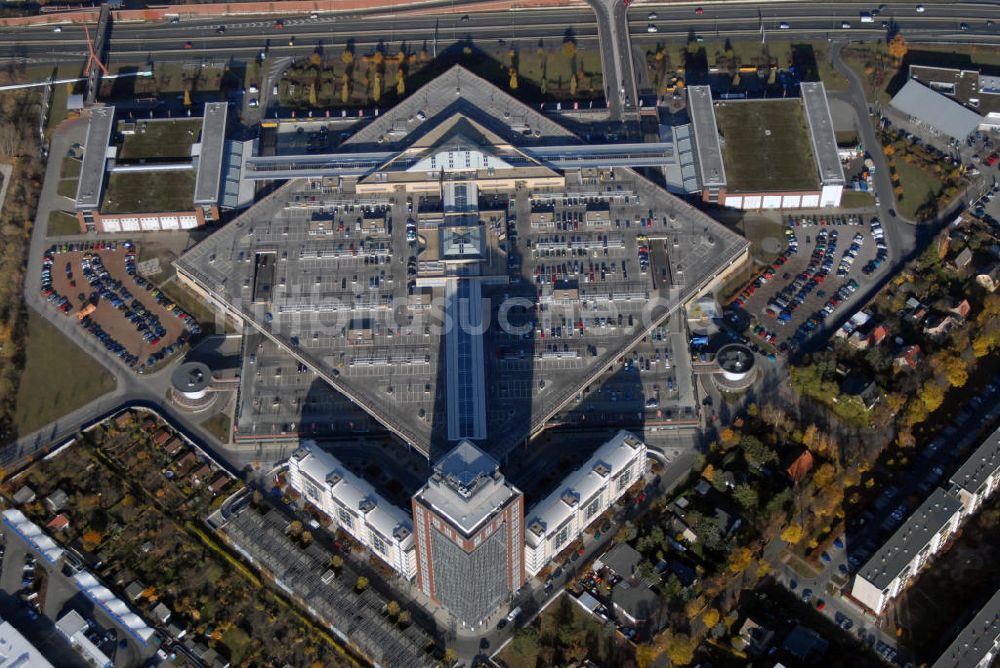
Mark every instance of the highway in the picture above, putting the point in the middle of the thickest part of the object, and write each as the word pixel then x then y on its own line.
pixel 246 37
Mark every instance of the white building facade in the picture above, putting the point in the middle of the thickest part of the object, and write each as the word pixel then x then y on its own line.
pixel 354 506
pixel 891 569
pixel 562 517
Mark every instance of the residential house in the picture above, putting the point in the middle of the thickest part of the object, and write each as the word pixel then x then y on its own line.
pixel 184 464
pixel 863 387
pixel 173 448
pixel 161 438
pixel 803 642
pixel 915 312
pixel 963 259
pixel 59 523
pixel 960 308
pixel 798 467
pixel 634 602
pixel 622 560
pixel 989 277
pixel 162 613
pixel 938 324
pixel 124 420
pixel 134 590
pixel 24 495
pixel 220 483
pixel 201 474
pixel 56 501
pixel 755 638
pixel 908 358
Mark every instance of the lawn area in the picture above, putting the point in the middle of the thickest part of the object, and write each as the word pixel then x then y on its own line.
pixel 772 133
pixel 165 138
pixel 855 199
pixel 67 188
pixel 758 229
pixel 48 356
pixel 135 192
pixel 61 223
pixel 809 57
pixel 219 426
pixel 70 168
pixel 953 588
pixel 918 186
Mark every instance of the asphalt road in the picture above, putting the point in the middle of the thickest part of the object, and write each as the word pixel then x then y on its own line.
pixel 245 37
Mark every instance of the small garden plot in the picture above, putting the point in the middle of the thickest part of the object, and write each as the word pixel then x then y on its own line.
pixel 98 284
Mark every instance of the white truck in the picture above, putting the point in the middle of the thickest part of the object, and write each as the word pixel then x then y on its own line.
pixel 866 17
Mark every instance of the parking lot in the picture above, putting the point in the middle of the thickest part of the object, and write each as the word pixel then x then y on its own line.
pixel 97 284
pixel 825 260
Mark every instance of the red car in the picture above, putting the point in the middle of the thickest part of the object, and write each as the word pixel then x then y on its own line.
pixel 187 45
pixel 699 11
pixel 992 159
pixel 279 24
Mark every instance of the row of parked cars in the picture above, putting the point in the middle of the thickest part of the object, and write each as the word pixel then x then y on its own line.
pixel 824 221
pixel 883 252
pixel 61 302
pixel 110 344
pixel 768 273
pixel 851 254
pixel 786 302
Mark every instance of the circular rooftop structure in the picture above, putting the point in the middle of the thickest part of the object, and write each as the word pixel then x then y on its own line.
pixel 737 366
pixel 190 381
pixel 735 360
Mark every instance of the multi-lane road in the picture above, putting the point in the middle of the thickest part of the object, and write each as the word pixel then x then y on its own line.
pixel 247 36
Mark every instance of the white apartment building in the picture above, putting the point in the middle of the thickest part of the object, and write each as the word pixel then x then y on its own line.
pixel 978 644
pixel 354 506
pixel 898 561
pixel 979 476
pixel 587 492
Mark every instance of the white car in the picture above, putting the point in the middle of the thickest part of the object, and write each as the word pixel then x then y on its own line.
pixel 57 29
pixel 845 25
pixel 784 26
pixel 253 89
pixel 652 16
pixel 253 104
pixel 651 28
pixel 920 9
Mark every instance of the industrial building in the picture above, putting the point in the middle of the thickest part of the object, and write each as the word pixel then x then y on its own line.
pixel 928 529
pixel 794 137
pixel 354 507
pixel 469 526
pixel 158 174
pixel 354 267
pixel 581 498
pixel 950 102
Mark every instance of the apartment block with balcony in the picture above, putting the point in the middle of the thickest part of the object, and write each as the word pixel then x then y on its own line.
pixel 979 476
pixel 354 506
pixel 899 560
pixel 562 517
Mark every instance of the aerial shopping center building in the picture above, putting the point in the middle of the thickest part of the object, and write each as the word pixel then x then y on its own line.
pixel 403 272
